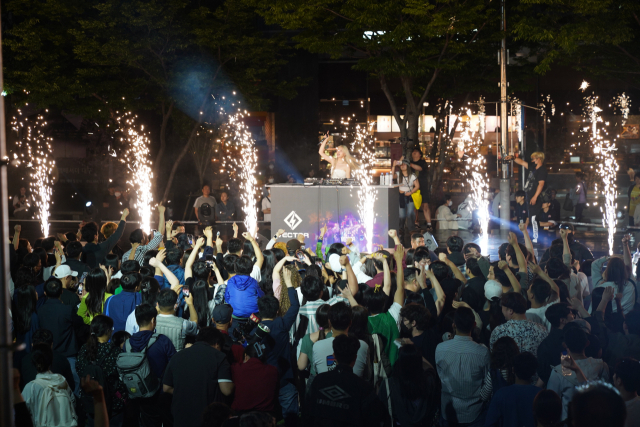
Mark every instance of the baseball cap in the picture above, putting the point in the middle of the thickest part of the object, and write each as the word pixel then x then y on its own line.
pixel 222 313
pixel 334 261
pixel 64 271
pixel 293 246
pixel 492 289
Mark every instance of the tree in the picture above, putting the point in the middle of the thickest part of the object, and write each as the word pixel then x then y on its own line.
pixel 166 55
pixel 402 43
pixel 598 37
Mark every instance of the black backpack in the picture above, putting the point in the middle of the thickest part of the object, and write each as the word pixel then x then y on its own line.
pixel 95 371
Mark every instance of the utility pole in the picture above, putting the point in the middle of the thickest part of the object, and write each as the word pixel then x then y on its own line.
pixel 505 179
pixel 6 348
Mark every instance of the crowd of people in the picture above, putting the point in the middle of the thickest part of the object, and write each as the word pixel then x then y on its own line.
pixel 221 333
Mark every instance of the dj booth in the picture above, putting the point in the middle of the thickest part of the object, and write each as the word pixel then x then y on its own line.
pixel 300 208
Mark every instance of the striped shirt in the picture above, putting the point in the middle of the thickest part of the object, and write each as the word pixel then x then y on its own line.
pixel 310 308
pixel 462 366
pixel 141 251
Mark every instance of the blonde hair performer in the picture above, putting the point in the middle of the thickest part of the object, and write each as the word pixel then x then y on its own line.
pixel 342 164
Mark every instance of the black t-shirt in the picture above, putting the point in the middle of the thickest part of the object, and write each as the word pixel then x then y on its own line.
pixel 522 213
pixel 547 216
pixel 422 175
pixel 194 374
pixel 539 174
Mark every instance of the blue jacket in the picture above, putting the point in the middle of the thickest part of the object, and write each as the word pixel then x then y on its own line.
pixel 242 294
pixel 277 342
pixel 120 306
pixel 175 269
pixel 158 354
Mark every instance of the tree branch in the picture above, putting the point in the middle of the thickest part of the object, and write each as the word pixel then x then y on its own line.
pixel 338 15
pixel 392 103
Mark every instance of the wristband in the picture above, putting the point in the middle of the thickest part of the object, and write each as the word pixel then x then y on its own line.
pixel 275 237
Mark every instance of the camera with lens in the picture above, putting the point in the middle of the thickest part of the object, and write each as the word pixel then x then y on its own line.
pixel 251 331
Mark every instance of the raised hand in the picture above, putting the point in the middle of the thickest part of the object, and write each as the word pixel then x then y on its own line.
pixel 563 233
pixel 503 265
pixel 442 257
pixel 235 228
pixel 280 232
pixel 161 255
pixel 393 234
pixel 323 230
pixel 199 242
pixel 161 208
pixel 208 232
pixel 125 214
pixel 247 236
pixel 522 227
pixel 18 228
pixel 513 240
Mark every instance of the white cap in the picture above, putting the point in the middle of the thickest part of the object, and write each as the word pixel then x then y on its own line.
pixel 64 271
pixel 492 289
pixel 334 261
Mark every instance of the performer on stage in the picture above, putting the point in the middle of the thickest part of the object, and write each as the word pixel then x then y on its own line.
pixel 342 164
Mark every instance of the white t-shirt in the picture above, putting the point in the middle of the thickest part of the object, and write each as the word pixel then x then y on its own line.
pixel 202 200
pixel 266 204
pixel 633 412
pixel 406 182
pixel 540 313
pixel 324 361
pixel 255 273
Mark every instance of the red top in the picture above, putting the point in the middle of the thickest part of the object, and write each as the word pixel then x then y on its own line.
pixel 256 385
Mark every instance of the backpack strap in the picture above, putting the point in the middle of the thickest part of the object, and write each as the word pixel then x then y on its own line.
pixel 151 342
pixel 127 346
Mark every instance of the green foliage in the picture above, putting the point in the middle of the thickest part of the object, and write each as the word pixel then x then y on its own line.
pixel 599 37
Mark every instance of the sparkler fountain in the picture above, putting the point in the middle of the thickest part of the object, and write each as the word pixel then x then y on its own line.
pixel 604 149
pixel 239 137
pixel 367 193
pixel 476 165
pixel 38 150
pixel 136 158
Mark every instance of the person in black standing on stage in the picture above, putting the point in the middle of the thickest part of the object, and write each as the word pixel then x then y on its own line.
pixel 536 180
pixel 419 165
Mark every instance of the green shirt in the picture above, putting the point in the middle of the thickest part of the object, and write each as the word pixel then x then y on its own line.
pixel 83 311
pixel 386 325
pixel 306 347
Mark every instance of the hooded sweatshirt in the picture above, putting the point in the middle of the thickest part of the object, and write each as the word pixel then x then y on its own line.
pixel 33 394
pixel 242 294
pixel 593 369
pixel 93 253
pixel 120 306
pixel 177 270
pixel 158 354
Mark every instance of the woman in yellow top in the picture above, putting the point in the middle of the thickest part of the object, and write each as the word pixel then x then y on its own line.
pixel 96 294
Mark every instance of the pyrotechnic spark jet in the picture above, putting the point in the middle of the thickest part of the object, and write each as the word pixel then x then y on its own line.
pixel 38 150
pixel 136 157
pixel 604 150
pixel 623 102
pixel 238 135
pixel 584 85
pixel 367 193
pixel 476 165
pixel 482 116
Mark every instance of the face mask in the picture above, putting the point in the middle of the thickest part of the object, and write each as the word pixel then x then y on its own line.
pixel 117 193
pixel 271 181
pixel 449 203
pixel 270 166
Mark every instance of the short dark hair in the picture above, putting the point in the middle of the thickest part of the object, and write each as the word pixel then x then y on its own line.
pixel 89 231
pixel 597 404
pixel 147 271
pixel 416 236
pixel 268 306
pixel 145 313
pixel 628 371
pixel 311 288
pixel 129 266
pixel 201 271
pixel 74 249
pixel 466 249
pixel 556 312
pixel 130 281
pixel 474 268
pixel 521 193
pixel 48 243
pixel 229 263
pixel 416 313
pixel 515 301
pixel 345 349
pixel 374 299
pixel 53 288
pixel 211 336
pixel 234 246
pixel 541 290
pixel 42 336
pixel 455 243
pixel 167 298
pixel 464 320
pixel 173 256
pixel 176 224
pixel 440 270
pixel 244 265
pixel 525 365
pixel 340 316
pixel 576 339
pixel 42 357
pixel 136 236
pixel 420 254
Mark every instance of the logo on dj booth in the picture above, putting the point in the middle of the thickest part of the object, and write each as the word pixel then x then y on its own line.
pixel 293 220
